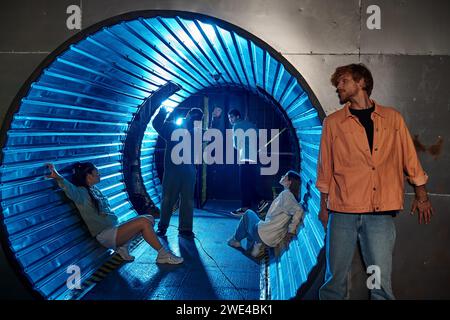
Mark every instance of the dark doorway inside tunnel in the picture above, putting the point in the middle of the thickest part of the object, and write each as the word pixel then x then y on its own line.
pixel 220 182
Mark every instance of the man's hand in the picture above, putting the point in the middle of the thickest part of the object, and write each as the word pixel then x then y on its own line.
pixel 422 204
pixel 323 213
pixel 323 217
pixel 424 208
pixel 53 173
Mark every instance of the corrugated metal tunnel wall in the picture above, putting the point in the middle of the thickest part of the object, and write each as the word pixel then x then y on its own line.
pixel 408 56
pixel 79 108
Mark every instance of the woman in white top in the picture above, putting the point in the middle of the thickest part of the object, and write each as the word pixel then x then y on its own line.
pixel 282 220
pixel 101 221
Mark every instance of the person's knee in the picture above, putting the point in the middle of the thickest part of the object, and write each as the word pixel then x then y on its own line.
pixel 248 213
pixel 150 219
pixel 245 217
pixel 145 223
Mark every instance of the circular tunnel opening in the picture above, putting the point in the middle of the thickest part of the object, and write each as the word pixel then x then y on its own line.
pixel 220 182
pixel 80 104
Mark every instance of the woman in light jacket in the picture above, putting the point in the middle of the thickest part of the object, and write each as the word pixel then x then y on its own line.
pixel 281 222
pixel 101 221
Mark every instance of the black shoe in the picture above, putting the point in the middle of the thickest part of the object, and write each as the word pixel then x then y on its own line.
pixel 161 232
pixel 187 234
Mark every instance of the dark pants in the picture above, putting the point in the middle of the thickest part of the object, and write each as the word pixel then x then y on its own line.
pixel 178 184
pixel 249 178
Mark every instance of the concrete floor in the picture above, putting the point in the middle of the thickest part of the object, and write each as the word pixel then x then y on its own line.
pixel 211 271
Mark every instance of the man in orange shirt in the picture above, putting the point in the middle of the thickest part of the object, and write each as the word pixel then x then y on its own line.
pixel 365 150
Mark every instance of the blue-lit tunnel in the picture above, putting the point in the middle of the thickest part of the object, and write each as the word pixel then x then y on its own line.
pixel 79 105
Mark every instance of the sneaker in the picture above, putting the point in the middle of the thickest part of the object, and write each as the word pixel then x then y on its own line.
pixel 262 205
pixel 168 257
pixel 239 212
pixel 232 242
pixel 161 232
pixel 187 234
pixel 124 254
pixel 257 250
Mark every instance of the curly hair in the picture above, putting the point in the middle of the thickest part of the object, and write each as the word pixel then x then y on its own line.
pixel 357 71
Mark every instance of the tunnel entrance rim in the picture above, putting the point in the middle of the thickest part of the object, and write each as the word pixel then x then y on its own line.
pixel 151 14
pixel 16 103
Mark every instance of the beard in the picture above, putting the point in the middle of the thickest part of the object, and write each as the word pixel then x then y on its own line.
pixel 343 99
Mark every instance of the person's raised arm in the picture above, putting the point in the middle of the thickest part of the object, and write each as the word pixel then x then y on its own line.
pixel 72 192
pixel 163 127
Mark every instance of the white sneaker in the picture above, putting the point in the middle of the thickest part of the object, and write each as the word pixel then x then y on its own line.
pixel 232 242
pixel 124 254
pixel 257 250
pixel 168 257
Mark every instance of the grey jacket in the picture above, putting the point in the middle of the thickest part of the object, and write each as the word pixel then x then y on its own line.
pixel 96 221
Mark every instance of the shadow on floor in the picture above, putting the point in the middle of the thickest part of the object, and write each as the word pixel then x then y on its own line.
pixel 211 271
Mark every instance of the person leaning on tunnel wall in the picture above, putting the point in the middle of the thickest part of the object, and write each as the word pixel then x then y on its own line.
pixel 178 179
pixel 365 149
pixel 281 222
pixel 101 221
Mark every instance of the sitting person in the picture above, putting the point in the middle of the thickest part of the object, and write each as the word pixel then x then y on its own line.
pixel 281 222
pixel 101 221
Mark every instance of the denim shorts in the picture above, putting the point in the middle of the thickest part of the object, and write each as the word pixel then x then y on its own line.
pixel 107 238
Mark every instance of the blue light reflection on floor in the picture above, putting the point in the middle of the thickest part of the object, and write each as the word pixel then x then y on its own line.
pixel 198 278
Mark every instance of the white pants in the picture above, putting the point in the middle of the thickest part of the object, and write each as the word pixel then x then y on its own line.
pixel 107 238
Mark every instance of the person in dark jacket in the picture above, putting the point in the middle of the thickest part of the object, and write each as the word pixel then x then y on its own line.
pixel 179 178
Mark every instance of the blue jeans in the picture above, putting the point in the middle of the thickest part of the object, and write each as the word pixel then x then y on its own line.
pixel 376 235
pixel 248 227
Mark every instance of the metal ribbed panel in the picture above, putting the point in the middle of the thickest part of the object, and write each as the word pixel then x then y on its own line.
pixel 80 107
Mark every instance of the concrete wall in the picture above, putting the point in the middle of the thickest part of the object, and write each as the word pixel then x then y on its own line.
pixel 408 56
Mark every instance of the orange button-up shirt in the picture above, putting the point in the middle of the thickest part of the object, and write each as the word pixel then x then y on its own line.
pixel 358 181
